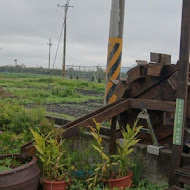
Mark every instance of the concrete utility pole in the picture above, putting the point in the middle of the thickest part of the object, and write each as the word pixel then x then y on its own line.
pixel 114 48
pixel 66 6
pixel 50 44
pixel 15 62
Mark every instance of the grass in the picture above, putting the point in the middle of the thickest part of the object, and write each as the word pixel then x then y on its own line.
pixel 39 89
pixel 64 116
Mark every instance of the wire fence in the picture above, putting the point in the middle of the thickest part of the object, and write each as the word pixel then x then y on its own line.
pixel 91 73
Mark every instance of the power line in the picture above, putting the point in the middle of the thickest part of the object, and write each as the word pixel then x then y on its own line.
pixel 66 7
pixel 58 43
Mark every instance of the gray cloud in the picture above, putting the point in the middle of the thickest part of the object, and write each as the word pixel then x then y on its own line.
pixel 150 25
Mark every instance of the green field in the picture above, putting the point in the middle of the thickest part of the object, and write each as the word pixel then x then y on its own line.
pixel 25 100
pixel 39 89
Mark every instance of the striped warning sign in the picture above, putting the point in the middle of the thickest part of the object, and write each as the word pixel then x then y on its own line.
pixel 113 67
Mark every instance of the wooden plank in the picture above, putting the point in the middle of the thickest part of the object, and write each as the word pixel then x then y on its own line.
pixel 160 58
pixel 28 150
pixel 72 129
pixel 155 69
pixel 142 62
pixel 92 114
pixel 188 110
pixel 139 88
pixel 173 80
pixel 165 58
pixel 136 73
pixel 155 57
pixel 184 171
pixel 168 118
pixel 112 141
pixel 164 132
pixel 184 179
pixel 152 105
pixel 121 89
pixel 158 92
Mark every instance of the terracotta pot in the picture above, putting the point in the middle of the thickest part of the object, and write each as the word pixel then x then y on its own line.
pixel 23 177
pixel 121 183
pixel 54 185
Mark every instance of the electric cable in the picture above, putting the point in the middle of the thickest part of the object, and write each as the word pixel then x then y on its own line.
pixel 67 2
pixel 58 43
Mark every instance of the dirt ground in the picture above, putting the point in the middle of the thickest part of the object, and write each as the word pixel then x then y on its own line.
pixel 74 109
pixel 77 109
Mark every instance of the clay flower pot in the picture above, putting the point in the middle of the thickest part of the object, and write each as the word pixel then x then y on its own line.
pixel 121 183
pixel 23 177
pixel 54 185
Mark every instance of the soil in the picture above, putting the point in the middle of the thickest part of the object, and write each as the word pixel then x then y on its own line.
pixel 4 94
pixel 71 109
pixel 75 109
pixel 89 92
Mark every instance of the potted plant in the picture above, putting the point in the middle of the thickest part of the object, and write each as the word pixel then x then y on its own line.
pixel 54 161
pixel 115 170
pixel 18 173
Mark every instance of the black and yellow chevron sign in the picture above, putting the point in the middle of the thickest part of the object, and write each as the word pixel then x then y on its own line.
pixel 113 67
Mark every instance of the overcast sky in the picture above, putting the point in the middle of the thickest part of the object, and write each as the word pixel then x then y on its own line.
pixel 26 26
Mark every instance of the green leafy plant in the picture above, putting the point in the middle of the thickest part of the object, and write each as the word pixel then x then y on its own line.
pixel 9 163
pixel 118 165
pixel 10 142
pixel 54 160
pixel 147 185
pixel 125 148
pixel 16 118
pixel 104 167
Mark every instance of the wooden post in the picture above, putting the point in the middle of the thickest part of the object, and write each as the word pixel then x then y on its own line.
pixel 112 143
pixel 181 102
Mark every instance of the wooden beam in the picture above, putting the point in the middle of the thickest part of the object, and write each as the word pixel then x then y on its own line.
pixel 155 69
pixel 137 88
pixel 156 105
pixel 121 89
pixel 160 58
pixel 173 80
pixel 112 140
pixel 92 114
pixel 182 89
pixel 136 73
pixel 72 129
pixel 142 62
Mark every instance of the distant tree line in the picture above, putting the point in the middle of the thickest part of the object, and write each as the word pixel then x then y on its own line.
pixel 30 70
pixel 96 74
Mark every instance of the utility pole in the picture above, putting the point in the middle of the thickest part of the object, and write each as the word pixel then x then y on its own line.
pixel 15 62
pixel 49 62
pixel 49 44
pixel 114 48
pixel 66 6
pixel 114 61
